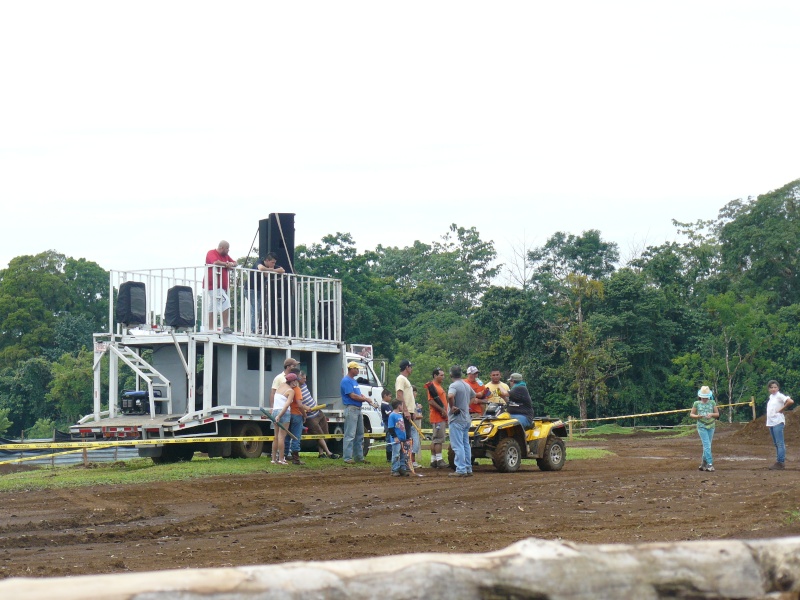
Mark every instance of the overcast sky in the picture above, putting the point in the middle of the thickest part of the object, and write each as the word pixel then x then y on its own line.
pixel 138 134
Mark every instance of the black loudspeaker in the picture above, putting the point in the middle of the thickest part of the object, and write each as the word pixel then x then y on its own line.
pixel 276 235
pixel 180 307
pixel 131 304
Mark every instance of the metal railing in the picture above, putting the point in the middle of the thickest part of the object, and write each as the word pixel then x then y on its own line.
pixel 261 304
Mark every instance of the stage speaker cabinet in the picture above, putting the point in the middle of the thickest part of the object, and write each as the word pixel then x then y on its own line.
pixel 179 311
pixel 276 235
pixel 131 309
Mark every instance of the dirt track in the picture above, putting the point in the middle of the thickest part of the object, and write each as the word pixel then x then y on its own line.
pixel 651 491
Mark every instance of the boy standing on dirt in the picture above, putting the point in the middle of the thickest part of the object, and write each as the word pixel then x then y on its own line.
pixel 776 421
pixel 398 437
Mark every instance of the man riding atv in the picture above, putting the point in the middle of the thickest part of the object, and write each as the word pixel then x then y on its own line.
pixel 519 404
pixel 508 433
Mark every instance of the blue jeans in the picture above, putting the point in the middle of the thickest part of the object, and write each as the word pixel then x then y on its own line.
pixel 523 420
pixel 415 444
pixel 459 442
pixel 777 438
pixel 399 458
pixel 706 435
pixel 353 434
pixel 296 427
pixel 251 296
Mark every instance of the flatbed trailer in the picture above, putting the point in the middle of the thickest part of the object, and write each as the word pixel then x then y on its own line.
pixel 170 376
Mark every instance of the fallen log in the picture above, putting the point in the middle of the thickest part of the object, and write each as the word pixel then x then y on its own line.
pixel 531 569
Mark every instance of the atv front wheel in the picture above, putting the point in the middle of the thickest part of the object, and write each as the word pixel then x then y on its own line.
pixel 555 454
pixel 507 456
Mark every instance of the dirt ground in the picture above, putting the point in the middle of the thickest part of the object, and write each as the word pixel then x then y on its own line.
pixel 650 491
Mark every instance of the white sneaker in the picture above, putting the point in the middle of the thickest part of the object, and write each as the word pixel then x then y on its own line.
pixel 416 465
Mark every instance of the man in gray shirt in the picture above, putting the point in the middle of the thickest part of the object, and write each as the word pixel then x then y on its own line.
pixel 459 395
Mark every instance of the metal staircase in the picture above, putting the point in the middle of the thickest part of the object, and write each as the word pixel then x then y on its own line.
pixel 145 370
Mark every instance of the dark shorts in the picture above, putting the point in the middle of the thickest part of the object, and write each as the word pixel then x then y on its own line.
pixel 317 425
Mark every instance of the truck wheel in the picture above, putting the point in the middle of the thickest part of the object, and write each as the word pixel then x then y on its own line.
pixel 507 456
pixel 173 453
pixel 555 454
pixel 247 449
pixel 336 446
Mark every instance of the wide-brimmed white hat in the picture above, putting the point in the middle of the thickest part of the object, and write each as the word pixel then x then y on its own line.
pixel 705 392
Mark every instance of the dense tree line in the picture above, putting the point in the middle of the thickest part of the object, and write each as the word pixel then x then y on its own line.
pixel 592 336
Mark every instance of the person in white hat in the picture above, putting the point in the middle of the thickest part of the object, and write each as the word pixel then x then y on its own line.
pixel 705 411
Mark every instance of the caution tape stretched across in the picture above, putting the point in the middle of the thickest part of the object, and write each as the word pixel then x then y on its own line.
pixel 135 443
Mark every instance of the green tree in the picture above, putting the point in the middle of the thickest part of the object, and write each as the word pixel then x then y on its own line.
pixel 589 361
pixel 759 249
pixel 460 268
pixel 5 423
pixel 72 386
pixel 42 429
pixel 564 254
pixel 370 303
pixel 23 391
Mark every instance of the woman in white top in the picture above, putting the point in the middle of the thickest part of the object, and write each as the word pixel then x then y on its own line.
pixel 284 396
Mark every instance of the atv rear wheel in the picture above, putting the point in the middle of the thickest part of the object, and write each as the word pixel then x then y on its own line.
pixel 507 456
pixel 555 454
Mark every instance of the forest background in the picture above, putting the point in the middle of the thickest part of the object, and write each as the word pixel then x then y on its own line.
pixel 593 337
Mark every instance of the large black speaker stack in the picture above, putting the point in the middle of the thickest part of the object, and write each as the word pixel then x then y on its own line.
pixel 131 309
pixel 179 311
pixel 276 235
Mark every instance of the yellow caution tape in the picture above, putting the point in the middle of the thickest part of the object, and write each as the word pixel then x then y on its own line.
pixel 652 414
pixel 135 443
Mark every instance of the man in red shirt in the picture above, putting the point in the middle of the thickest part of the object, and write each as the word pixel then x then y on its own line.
pixel 478 404
pixel 437 405
pixel 217 285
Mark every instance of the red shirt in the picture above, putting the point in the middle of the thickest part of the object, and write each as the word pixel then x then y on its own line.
pixel 475 408
pixel 435 415
pixel 212 257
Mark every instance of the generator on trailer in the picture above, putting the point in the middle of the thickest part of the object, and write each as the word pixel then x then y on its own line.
pixel 172 376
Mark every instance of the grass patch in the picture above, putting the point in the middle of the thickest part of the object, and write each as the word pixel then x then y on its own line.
pixel 610 429
pixel 587 453
pixel 143 470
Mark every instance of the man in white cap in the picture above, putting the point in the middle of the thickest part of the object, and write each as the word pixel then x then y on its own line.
pixel 478 404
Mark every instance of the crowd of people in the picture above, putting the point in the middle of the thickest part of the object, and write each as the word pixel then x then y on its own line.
pixel 294 408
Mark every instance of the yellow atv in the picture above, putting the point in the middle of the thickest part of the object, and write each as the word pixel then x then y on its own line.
pixel 497 435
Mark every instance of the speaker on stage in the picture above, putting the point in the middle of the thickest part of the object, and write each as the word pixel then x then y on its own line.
pixel 180 307
pixel 131 309
pixel 276 235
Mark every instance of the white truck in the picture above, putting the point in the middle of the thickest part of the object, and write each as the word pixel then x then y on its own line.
pixel 182 380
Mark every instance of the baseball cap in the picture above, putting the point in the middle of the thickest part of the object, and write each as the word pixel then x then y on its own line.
pixel 290 362
pixel 404 364
pixel 353 365
pixel 515 377
pixel 291 377
pixel 471 370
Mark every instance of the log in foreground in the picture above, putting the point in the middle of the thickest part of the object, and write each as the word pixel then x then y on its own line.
pixel 531 569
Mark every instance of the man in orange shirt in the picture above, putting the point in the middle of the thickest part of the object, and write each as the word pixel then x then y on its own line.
pixel 437 406
pixel 478 404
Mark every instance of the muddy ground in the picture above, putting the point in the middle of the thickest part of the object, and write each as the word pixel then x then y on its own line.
pixel 650 491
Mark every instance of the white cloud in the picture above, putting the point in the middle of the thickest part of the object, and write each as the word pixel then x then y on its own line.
pixel 138 135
